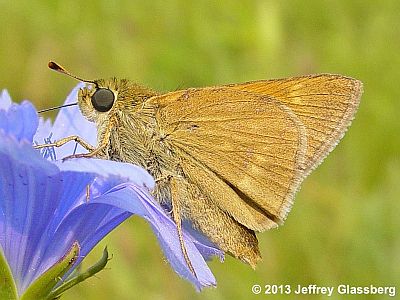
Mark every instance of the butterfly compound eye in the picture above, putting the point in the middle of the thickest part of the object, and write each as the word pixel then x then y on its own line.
pixel 103 100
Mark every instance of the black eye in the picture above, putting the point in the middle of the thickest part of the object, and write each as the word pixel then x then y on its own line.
pixel 103 100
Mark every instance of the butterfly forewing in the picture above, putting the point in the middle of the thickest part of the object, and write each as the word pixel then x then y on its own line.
pixel 324 103
pixel 245 151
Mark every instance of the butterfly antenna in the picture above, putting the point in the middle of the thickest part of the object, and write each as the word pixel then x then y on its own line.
pixel 56 67
pixel 57 107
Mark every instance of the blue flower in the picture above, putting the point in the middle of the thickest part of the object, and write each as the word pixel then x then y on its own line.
pixel 48 207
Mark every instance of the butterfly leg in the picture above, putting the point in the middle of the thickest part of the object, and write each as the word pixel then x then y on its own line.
pixel 176 212
pixel 105 141
pixel 65 140
pixel 92 151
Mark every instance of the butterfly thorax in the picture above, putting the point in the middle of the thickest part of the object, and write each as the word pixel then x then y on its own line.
pixel 135 139
pixel 131 134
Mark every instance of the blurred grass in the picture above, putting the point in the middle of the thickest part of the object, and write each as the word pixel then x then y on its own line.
pixel 344 227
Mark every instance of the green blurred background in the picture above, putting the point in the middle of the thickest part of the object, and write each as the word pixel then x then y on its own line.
pixel 345 224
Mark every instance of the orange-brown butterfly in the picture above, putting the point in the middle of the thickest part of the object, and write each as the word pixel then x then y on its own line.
pixel 228 158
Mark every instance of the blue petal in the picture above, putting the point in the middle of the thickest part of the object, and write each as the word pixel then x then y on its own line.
pixel 24 216
pixel 87 224
pixel 44 211
pixel 19 120
pixel 127 171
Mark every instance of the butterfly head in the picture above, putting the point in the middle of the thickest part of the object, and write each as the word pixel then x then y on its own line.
pixel 102 97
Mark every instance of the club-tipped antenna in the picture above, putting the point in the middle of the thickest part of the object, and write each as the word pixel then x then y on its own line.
pixel 57 107
pixel 56 67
